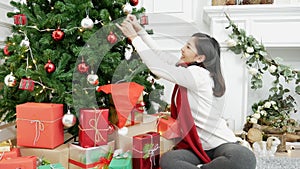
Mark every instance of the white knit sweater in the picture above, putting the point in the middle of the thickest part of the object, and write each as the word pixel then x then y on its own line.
pixel 206 109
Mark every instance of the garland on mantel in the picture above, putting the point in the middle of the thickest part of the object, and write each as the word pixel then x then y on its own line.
pixel 273 111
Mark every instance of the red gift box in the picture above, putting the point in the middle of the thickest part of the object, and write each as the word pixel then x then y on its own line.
pixel 40 125
pixel 146 151
pixel 144 20
pixel 20 19
pixel 26 84
pixel 13 153
pixel 27 162
pixel 93 129
pixel 167 127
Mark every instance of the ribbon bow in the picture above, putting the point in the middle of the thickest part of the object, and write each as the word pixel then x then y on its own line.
pixel 39 126
pixel 98 136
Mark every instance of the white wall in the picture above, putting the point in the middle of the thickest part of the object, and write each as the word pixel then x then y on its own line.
pixel 5 22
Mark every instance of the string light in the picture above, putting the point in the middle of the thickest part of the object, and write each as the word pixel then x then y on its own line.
pixel 30 51
pixel 43 86
pixel 49 29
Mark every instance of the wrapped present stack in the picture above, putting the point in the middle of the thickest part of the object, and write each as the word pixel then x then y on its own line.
pixel 135 140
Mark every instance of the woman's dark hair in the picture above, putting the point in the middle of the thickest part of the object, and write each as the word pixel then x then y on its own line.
pixel 210 47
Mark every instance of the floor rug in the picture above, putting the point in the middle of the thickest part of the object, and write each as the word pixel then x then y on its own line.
pixel 277 163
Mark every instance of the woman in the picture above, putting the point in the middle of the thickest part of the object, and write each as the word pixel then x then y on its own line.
pixel 197 102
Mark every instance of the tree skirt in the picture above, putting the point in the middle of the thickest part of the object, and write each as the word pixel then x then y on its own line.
pixel 277 163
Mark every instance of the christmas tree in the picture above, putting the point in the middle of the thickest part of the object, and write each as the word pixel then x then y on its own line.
pixel 61 50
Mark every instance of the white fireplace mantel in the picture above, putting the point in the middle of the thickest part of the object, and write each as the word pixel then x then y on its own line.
pixel 276 26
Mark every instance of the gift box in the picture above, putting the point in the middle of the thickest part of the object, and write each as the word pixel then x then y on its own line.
pixel 26 84
pixel 166 144
pixel 5 146
pixel 51 166
pixel 124 141
pixel 20 19
pixel 93 129
pixel 80 157
pixel 167 126
pixel 39 125
pixel 59 154
pixel 146 151
pixel 13 153
pixel 27 162
pixel 123 161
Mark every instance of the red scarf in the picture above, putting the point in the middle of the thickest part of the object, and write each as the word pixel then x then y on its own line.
pixel 182 112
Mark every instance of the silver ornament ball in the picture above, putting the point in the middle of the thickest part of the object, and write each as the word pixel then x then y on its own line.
pixel 69 120
pixel 87 23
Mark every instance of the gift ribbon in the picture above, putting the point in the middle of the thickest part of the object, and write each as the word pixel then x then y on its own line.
pixel 2 155
pixel 151 151
pixel 98 136
pixel 81 165
pixel 39 127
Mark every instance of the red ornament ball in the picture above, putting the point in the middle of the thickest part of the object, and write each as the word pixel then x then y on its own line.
pixel 134 2
pixel 58 35
pixel 49 67
pixel 112 38
pixel 6 51
pixel 83 67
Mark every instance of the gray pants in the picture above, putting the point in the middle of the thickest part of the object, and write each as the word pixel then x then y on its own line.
pixel 225 156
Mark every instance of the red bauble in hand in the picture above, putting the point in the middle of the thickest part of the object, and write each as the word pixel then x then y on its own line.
pixel 112 38
pixel 49 67
pixel 6 51
pixel 83 67
pixel 134 2
pixel 58 35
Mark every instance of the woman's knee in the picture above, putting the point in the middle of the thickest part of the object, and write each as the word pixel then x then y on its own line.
pixel 237 156
pixel 166 159
pixel 177 158
pixel 243 158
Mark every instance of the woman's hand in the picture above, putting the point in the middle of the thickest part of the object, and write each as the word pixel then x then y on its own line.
pixel 136 25
pixel 127 29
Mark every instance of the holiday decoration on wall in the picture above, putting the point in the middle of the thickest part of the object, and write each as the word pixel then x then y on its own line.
pixel 275 110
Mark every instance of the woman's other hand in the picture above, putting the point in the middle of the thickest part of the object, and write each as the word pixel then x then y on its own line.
pixel 127 29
